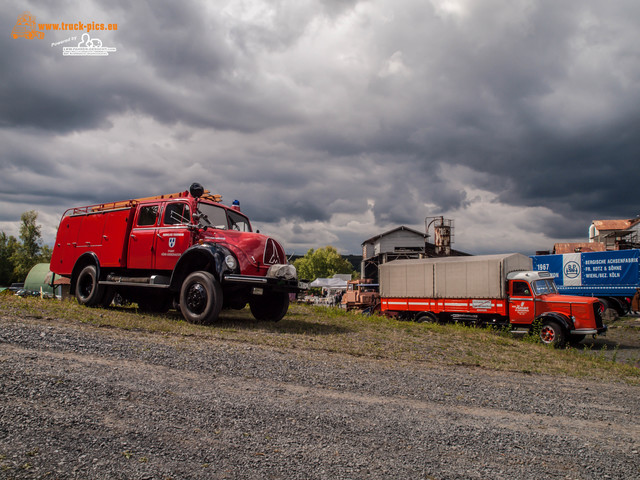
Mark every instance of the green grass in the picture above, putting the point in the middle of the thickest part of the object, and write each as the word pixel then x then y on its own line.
pixel 333 330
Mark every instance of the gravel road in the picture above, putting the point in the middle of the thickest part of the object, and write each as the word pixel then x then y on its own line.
pixel 83 402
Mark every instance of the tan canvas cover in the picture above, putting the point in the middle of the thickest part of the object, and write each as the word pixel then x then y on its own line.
pixel 481 276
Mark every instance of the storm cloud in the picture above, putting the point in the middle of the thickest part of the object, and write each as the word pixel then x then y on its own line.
pixel 333 121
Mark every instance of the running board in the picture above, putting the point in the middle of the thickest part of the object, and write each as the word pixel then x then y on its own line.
pixel 154 281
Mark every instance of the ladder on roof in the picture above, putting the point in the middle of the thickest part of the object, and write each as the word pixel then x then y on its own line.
pixel 103 207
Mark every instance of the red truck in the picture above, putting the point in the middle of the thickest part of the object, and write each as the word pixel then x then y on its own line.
pixel 498 290
pixel 185 249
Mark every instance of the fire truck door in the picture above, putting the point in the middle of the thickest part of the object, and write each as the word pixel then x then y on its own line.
pixel 173 236
pixel 142 238
pixel 521 304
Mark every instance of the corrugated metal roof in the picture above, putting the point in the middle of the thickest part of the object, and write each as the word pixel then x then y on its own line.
pixel 583 247
pixel 605 225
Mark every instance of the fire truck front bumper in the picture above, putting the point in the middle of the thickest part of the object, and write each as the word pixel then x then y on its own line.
pixel 276 284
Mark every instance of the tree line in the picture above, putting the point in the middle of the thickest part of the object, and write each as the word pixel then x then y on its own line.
pixel 323 263
pixel 18 256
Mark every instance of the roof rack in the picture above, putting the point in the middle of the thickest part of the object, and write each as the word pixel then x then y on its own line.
pixel 102 207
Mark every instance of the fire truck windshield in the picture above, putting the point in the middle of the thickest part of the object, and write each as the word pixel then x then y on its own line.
pixel 218 217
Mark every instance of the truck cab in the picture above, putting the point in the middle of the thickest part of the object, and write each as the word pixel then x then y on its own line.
pixel 534 295
pixel 185 249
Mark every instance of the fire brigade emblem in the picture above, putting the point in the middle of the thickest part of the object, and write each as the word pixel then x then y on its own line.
pixel 271 255
pixel 172 242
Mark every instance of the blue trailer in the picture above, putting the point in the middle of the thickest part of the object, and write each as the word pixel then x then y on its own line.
pixel 613 276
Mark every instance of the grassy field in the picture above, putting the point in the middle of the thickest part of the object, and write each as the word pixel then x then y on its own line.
pixel 333 330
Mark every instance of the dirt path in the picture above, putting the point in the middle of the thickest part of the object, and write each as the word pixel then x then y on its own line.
pixel 84 402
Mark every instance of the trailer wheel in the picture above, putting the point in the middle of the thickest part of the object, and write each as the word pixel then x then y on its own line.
pixel 200 298
pixel 427 318
pixel 609 312
pixel 551 333
pixel 88 291
pixel 270 308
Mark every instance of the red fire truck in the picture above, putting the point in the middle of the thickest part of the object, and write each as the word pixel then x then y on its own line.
pixel 487 290
pixel 185 249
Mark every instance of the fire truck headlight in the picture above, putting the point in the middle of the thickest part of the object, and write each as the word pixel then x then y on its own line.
pixel 231 262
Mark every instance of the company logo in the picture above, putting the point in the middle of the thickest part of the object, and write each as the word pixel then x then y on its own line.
pixel 172 242
pixel 521 309
pixel 571 270
pixel 88 47
pixel 481 304
pixel 271 253
pixel 26 27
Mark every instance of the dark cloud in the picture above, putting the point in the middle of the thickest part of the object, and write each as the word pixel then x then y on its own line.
pixel 334 120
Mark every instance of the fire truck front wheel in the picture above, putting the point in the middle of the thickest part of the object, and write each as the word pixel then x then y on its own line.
pixel 200 298
pixel 88 291
pixel 270 308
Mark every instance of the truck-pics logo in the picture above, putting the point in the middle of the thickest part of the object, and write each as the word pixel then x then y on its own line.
pixel 26 27
pixel 172 242
pixel 571 270
pixel 88 47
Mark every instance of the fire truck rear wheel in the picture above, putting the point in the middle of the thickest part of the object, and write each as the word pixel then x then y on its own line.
pixel 270 308
pixel 88 291
pixel 201 298
pixel 551 333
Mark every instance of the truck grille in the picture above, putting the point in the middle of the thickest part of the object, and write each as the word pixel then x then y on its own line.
pixel 597 313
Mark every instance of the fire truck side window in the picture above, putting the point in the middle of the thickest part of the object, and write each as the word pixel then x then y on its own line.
pixel 148 215
pixel 521 289
pixel 176 214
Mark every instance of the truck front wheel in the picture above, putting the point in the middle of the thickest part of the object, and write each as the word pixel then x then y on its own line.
pixel 201 298
pixel 270 308
pixel 88 291
pixel 551 333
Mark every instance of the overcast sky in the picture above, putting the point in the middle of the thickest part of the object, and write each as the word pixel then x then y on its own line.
pixel 332 121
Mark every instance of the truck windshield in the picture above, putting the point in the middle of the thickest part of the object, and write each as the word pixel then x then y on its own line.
pixel 542 287
pixel 216 217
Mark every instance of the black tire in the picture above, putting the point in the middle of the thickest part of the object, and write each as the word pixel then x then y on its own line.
pixel 200 298
pixel 270 307
pixel 426 318
pixel 88 291
pixel 108 297
pixel 552 333
pixel 609 312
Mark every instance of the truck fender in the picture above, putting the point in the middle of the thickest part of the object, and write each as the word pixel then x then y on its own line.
pixel 88 258
pixel 565 322
pixel 209 257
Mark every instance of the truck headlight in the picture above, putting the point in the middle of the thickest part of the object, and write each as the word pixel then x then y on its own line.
pixel 231 262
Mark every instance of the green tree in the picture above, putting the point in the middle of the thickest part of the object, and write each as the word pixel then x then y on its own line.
pixel 322 263
pixel 30 251
pixel 8 248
